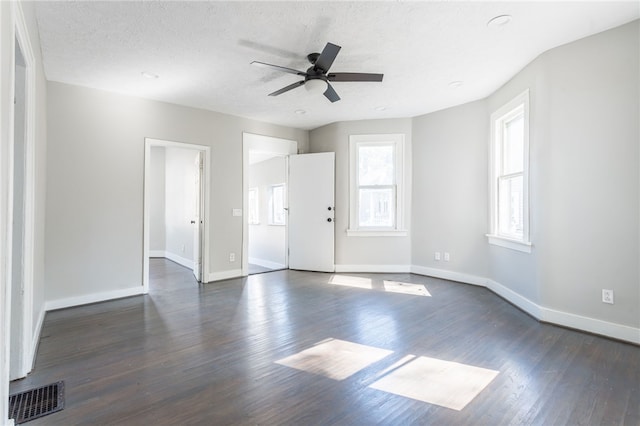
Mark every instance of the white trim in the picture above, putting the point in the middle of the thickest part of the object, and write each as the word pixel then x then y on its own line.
pixel 449 275
pixel 86 299
pixel 148 143
pixel 266 263
pixel 398 141
pixel 225 275
pixel 511 296
pixel 179 260
pixel 592 325
pixel 400 269
pixel 157 253
pixel 377 233
pixel 543 314
pixel 498 240
pixel 20 34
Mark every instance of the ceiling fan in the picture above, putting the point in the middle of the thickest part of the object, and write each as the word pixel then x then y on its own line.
pixel 317 76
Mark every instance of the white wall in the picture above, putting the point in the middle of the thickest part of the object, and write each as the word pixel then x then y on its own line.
pixel 157 232
pixel 95 167
pixel 384 253
pixel 180 198
pixel 584 188
pixel 450 189
pixel 267 243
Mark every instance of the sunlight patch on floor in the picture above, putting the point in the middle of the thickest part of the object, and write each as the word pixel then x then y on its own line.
pixel 358 282
pixel 406 288
pixel 335 359
pixel 445 383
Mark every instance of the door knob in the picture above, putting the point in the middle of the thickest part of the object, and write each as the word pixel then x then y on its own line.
pixel 329 219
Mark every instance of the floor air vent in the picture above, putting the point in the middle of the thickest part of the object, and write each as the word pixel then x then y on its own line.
pixel 28 405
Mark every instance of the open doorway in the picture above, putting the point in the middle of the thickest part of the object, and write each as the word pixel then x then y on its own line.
pixel 265 181
pixel 176 205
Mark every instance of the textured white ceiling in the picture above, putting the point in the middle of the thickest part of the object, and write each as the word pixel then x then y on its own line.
pixel 202 51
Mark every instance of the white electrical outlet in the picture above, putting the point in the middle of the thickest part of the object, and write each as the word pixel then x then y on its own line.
pixel 183 247
pixel 447 257
pixel 436 255
pixel 232 257
pixel 236 212
pixel 607 296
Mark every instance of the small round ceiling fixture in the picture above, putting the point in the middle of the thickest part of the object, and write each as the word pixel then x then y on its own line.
pixel 300 112
pixel 380 108
pixel 150 75
pixel 455 84
pixel 499 21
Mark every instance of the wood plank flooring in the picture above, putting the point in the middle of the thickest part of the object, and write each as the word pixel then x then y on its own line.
pixel 189 354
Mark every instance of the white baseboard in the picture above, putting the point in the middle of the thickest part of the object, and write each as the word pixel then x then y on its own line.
pixel 225 275
pixel 179 260
pixel 266 263
pixel 157 253
pixel 92 298
pixel 592 325
pixel 449 275
pixel 541 313
pixel 398 269
pixel 521 302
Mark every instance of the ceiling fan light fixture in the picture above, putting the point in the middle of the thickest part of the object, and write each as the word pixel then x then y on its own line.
pixel 315 86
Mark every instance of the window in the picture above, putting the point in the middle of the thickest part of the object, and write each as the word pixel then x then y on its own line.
pixel 276 204
pixel 509 183
pixel 254 211
pixel 376 185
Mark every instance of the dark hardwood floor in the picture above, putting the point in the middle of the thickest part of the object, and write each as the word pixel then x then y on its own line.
pixel 206 354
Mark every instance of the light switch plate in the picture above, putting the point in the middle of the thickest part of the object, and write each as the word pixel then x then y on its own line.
pixel 237 212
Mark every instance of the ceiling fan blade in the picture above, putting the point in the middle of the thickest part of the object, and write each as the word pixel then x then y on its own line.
pixel 354 76
pixel 331 94
pixel 279 68
pixel 328 55
pixel 286 89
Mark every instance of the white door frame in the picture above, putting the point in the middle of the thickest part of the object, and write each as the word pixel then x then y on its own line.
pixel 279 146
pixel 206 184
pixel 22 361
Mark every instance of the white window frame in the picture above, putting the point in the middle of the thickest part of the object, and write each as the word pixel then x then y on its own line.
pixel 256 206
pixel 355 141
pixel 272 204
pixel 505 113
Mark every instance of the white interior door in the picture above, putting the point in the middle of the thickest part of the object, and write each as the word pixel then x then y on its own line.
pixel 197 220
pixel 311 212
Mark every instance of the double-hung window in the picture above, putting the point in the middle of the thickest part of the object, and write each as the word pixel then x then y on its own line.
pixel 376 185
pixel 509 181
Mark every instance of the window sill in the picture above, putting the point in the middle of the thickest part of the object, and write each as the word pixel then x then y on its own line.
pixel 497 240
pixel 372 233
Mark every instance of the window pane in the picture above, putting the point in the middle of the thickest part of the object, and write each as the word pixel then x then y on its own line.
pixel 376 165
pixel 511 207
pixel 253 206
pixel 277 205
pixel 513 145
pixel 377 207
